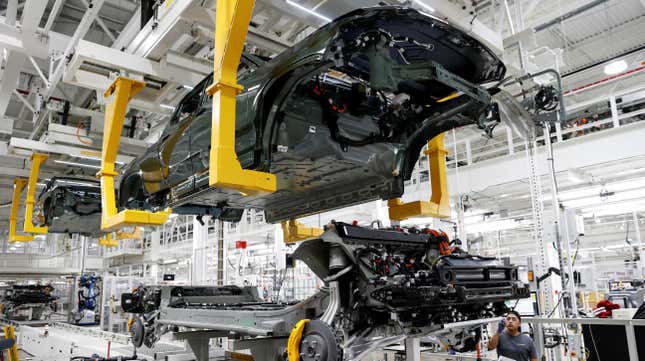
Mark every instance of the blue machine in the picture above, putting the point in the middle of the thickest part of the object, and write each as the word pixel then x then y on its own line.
pixel 88 293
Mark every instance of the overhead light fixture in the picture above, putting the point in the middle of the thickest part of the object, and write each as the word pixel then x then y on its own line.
pixel 96 159
pixel 167 106
pixel 579 176
pixel 424 5
pixel 615 67
pixel 78 164
pixel 308 10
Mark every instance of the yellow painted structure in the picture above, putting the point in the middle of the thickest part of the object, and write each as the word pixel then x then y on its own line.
pixel 439 204
pixel 108 241
pixel 294 231
pixel 9 333
pixel 293 344
pixel 123 90
pixel 18 185
pixel 137 233
pixel 37 159
pixel 232 22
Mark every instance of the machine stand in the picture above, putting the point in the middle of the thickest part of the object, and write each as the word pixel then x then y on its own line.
pixel 412 349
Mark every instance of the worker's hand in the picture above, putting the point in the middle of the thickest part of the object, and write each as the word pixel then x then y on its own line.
pixel 501 325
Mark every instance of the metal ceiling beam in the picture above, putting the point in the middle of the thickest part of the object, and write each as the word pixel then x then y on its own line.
pixel 16 59
pixel 154 32
pixel 53 14
pixel 118 60
pixel 55 78
pixel 101 23
pixel 569 15
pixel 43 147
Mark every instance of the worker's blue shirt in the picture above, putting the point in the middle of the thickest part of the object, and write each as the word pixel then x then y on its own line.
pixel 519 348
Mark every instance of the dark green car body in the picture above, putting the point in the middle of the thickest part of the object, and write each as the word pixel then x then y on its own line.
pixel 340 118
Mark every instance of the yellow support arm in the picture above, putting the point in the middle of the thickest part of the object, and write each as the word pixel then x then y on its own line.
pixel 294 231
pixel 439 204
pixel 36 160
pixel 124 90
pixel 13 351
pixel 232 22
pixel 18 185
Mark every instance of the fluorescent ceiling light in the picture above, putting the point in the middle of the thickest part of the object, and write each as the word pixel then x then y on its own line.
pixel 308 10
pixel 167 106
pixel 615 67
pixel 424 5
pixel 78 164
pixel 96 159
pixel 578 176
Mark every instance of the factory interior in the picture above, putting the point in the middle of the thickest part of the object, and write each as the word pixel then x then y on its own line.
pixel 322 180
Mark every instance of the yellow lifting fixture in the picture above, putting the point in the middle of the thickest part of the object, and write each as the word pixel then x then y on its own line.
pixel 439 204
pixel 18 185
pixel 294 231
pixel 124 90
pixel 13 350
pixel 232 22
pixel 37 160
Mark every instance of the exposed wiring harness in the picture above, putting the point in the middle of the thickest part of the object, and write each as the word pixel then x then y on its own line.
pixel 79 126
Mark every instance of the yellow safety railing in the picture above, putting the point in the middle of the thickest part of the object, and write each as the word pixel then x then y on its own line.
pixel 439 204
pixel 294 231
pixel 123 90
pixel 37 160
pixel 232 22
pixel 18 185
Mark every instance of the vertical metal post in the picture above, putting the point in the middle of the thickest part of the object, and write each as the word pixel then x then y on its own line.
pixel 614 111
pixel 556 211
pixel 509 139
pixel 558 131
pixel 412 349
pixel 631 342
pixel 220 252
pixel 639 241
pixel 538 224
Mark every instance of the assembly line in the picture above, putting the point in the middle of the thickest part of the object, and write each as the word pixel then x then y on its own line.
pixel 280 180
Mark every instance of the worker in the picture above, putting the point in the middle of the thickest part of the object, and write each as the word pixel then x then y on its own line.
pixel 510 343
